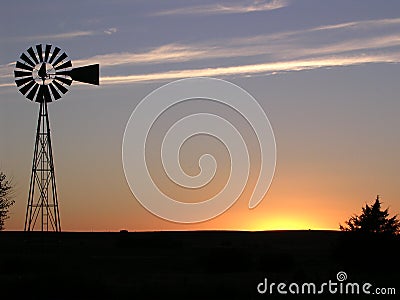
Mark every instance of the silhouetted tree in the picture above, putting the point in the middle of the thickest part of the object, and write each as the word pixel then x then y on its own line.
pixel 373 219
pixel 6 198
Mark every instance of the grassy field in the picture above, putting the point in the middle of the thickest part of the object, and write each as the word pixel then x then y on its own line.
pixel 190 265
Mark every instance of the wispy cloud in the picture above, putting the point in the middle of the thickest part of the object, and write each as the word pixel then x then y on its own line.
pixel 110 31
pixel 67 35
pixel 6 72
pixel 277 46
pixel 363 44
pixel 60 36
pixel 267 68
pixel 278 52
pixel 165 53
pixel 172 53
pixel 367 24
pixel 227 8
pixel 6 84
pixel 263 54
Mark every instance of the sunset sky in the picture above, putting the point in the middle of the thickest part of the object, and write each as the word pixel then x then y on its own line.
pixel 326 73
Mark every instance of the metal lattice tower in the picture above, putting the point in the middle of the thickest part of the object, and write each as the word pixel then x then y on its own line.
pixel 42 76
pixel 43 180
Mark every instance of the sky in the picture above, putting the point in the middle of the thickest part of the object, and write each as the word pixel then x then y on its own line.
pixel 326 73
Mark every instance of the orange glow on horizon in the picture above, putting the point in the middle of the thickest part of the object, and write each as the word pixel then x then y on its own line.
pixel 284 223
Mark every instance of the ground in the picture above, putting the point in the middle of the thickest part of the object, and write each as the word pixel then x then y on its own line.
pixel 190 265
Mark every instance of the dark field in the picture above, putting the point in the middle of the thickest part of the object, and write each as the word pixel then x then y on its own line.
pixel 191 265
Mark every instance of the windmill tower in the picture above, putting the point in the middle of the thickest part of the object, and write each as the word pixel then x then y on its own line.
pixel 43 77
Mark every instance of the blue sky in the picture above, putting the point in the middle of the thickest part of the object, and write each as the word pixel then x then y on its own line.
pixel 148 40
pixel 325 72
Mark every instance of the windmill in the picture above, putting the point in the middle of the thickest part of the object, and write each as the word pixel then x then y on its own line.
pixel 43 75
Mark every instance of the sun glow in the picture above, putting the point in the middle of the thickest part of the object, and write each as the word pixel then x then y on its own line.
pixel 283 223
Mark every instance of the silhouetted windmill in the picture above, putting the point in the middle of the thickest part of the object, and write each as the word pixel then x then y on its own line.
pixel 43 76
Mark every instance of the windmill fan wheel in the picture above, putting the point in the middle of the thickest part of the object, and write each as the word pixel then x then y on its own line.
pixel 43 74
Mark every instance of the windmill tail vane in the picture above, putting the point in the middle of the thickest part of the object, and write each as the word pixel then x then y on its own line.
pixel 43 74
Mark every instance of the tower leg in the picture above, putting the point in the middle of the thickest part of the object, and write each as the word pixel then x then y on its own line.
pixel 42 209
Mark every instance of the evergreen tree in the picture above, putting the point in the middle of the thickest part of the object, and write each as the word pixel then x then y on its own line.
pixel 373 219
pixel 6 200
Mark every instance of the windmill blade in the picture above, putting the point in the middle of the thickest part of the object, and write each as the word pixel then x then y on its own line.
pixel 32 93
pixel 54 54
pixel 22 73
pixel 44 72
pixel 87 74
pixel 27 87
pixel 65 65
pixel 20 65
pixel 47 52
pixel 59 59
pixel 27 59
pixel 33 55
pixel 64 80
pixel 24 80
pixel 54 92
pixel 61 88
pixel 39 52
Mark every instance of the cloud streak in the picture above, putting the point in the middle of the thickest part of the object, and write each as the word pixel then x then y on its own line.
pixel 61 36
pixel 279 52
pixel 172 53
pixel 367 24
pixel 212 9
pixel 266 68
pixel 284 45
pixel 67 35
pixel 262 54
pixel 110 31
pixel 6 84
pixel 165 53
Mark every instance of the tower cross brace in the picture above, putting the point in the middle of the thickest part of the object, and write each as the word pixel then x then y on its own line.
pixel 42 200
pixel 43 74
